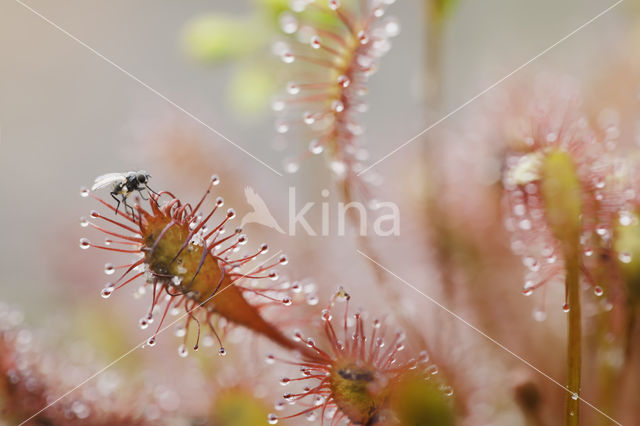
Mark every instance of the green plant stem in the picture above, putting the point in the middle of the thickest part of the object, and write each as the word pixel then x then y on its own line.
pixel 574 337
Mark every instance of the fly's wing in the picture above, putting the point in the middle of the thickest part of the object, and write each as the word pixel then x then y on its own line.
pixel 107 179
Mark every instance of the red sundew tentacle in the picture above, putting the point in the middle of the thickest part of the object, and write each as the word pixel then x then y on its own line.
pixel 115 234
pixel 588 276
pixel 161 193
pixel 373 339
pixel 538 285
pixel 322 413
pixel 177 294
pixel 362 340
pixel 192 317
pixel 125 243
pixel 167 208
pixel 217 228
pixel 235 234
pixel 339 39
pixel 337 418
pixel 155 297
pixel 203 222
pixel 114 249
pixel 297 379
pixel 115 222
pixel 345 328
pixel 335 8
pixel 299 414
pixel 333 339
pixel 319 366
pixel 124 266
pixel 390 350
pixel 266 268
pixel 231 247
pixel 164 315
pixel 253 277
pixel 177 211
pixel 206 194
pixel 375 355
pixel 113 209
pixel 313 346
pixel 322 97
pixel 213 330
pixel 180 212
pixel 335 53
pixel 130 268
pixel 252 290
pixel 247 259
pixel 318 62
pixel 129 280
pixel 318 390
pixel 346 19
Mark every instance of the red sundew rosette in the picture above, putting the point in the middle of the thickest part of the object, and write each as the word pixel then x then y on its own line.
pixel 191 266
pixel 354 378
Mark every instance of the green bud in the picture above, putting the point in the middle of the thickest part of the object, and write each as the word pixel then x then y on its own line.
pixel 560 188
pixel 416 401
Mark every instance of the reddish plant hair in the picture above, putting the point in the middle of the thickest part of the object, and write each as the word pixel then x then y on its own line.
pixel 190 263
pixel 340 58
pixel 351 379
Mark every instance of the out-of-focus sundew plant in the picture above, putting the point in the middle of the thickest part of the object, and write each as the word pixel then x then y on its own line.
pixel 244 40
pixel 506 293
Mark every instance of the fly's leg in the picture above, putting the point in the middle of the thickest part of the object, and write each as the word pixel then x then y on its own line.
pixel 127 207
pixel 117 201
pixel 154 192
pixel 147 186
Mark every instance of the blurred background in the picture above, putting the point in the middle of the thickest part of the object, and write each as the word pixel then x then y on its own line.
pixel 67 116
pixel 75 102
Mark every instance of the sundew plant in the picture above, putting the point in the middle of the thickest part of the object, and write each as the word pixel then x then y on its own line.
pixel 331 212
